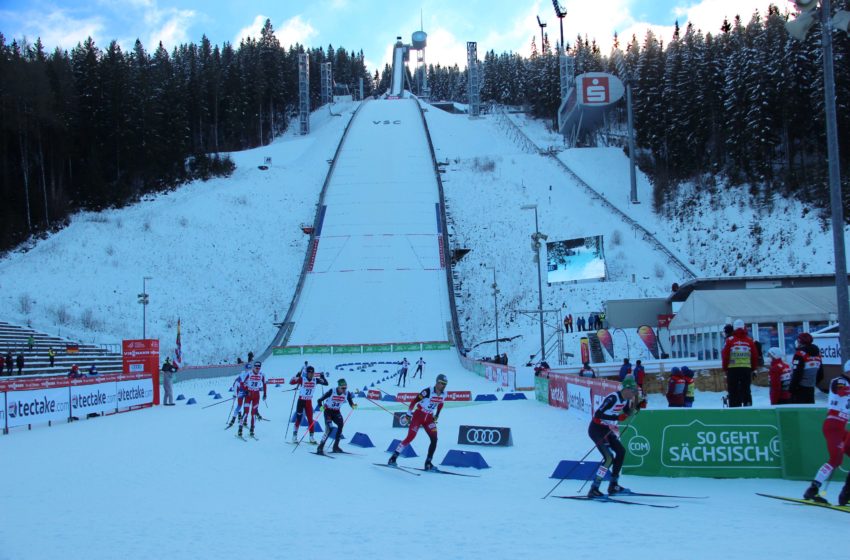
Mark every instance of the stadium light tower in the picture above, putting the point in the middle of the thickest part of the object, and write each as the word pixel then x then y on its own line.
pixel 495 287
pixel 799 28
pixel 561 13
pixel 536 238
pixel 542 25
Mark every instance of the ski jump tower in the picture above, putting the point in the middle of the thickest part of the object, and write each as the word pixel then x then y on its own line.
pixel 401 55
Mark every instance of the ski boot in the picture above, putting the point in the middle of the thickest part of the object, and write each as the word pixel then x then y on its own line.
pixel 321 449
pixel 813 493
pixel 337 449
pixel 429 466
pixel 294 437
pixel 312 439
pixel 259 416
pixel 393 458
pixel 251 433
pixel 239 433
pixel 844 496
pixel 594 492
pixel 615 488
pixel 230 424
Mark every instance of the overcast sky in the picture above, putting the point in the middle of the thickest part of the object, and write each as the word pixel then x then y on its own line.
pixel 370 25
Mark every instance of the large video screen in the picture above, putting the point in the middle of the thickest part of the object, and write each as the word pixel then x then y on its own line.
pixel 576 260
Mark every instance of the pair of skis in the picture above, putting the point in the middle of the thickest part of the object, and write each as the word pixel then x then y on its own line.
pixel 619 500
pixel 435 470
pixel 330 454
pixel 802 502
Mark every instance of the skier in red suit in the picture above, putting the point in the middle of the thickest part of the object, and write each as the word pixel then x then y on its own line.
pixel 423 412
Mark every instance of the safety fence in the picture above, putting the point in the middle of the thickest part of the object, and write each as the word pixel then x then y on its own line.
pixel 504 376
pixel 48 399
pixel 361 348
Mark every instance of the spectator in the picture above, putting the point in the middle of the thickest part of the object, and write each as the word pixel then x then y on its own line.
pixel 566 324
pixel 689 386
pixel 625 369
pixel 9 363
pixel 250 357
pixel 2 364
pixel 586 370
pixel 168 370
pixel 639 374
pixel 570 322
pixel 780 378
pixel 738 360
pixel 74 373
pixel 19 362
pixel 807 370
pixel 602 320
pixel 52 355
pixel 30 342
pixel 93 370
pixel 676 386
pixel 504 358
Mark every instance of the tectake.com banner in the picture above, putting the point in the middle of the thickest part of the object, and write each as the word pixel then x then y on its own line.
pixel 36 406
pixel 92 395
pixel 134 391
pixel 579 401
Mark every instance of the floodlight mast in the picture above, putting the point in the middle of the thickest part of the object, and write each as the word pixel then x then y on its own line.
pixel 561 13
pixel 542 25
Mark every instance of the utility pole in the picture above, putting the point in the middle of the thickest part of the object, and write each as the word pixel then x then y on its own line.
pixel 537 238
pixel 542 25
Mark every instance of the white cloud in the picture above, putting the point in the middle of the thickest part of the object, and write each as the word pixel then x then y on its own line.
pixel 251 30
pixel 295 30
pixel 171 27
pixel 708 14
pixel 56 29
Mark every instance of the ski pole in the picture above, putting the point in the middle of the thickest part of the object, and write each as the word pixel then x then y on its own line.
pixel 230 414
pixel 289 418
pixel 379 406
pixel 310 427
pixel 222 402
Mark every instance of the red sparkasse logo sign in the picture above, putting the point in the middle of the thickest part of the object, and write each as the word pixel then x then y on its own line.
pixel 596 89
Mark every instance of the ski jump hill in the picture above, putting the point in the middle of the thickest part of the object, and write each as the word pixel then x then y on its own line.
pixel 374 279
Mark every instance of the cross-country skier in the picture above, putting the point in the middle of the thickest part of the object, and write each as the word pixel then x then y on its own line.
pixel 423 412
pixel 307 384
pixel 332 401
pixel 239 394
pixel 255 381
pixel 402 373
pixel 605 433
pixel 420 363
pixel 837 438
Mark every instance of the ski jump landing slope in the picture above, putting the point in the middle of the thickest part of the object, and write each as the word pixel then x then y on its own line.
pixel 376 272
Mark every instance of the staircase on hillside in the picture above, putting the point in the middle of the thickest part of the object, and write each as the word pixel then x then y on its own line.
pixel 596 354
pixel 13 338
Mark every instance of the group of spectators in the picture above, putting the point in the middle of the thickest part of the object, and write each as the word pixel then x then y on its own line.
pixel 8 363
pixel 498 359
pixel 592 322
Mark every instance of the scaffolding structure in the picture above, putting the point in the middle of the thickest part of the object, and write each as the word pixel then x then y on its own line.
pixel 326 77
pixel 304 93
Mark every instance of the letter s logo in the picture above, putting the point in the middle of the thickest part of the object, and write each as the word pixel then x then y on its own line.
pixel 596 90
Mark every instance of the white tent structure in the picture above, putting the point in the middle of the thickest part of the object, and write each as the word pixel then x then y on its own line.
pixel 774 316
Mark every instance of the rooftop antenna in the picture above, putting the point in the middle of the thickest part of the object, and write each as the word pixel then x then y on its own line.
pixel 542 25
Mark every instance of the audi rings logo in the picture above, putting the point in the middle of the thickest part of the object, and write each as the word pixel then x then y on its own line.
pixel 484 436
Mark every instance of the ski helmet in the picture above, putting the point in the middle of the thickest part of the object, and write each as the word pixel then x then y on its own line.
pixel 442 379
pixel 629 383
pixel 311 369
pixel 341 383
pixel 258 363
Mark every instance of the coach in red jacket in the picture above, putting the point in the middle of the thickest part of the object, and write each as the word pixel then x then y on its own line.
pixel 739 361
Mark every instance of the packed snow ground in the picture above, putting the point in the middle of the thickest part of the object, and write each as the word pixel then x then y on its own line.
pixel 171 482
pixel 224 255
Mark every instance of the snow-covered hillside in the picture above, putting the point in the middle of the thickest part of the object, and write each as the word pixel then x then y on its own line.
pixel 224 256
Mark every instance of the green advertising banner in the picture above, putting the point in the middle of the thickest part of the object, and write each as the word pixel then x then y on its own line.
pixel 317 349
pixel 286 350
pixel 411 347
pixel 541 389
pixel 781 442
pixel 348 349
pixel 436 346
pixel 378 348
